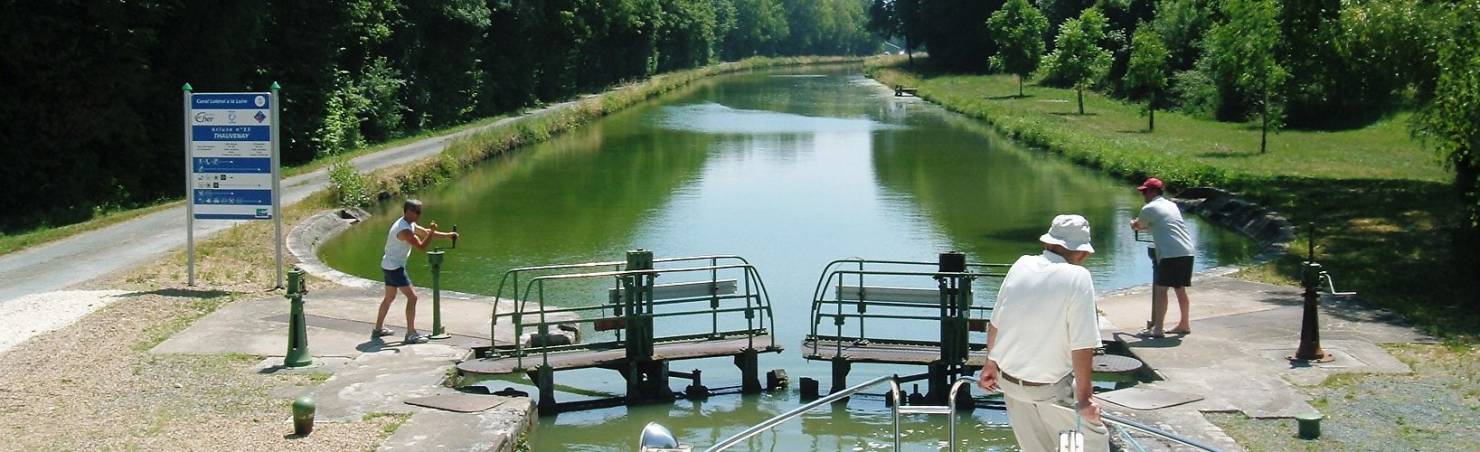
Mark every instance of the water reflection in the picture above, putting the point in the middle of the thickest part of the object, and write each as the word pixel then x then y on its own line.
pixel 790 172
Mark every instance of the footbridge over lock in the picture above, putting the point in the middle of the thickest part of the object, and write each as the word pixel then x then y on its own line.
pixel 704 307
pixel 860 315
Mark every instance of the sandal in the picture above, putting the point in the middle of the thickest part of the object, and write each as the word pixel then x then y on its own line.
pixel 1148 334
pixel 381 333
pixel 1179 332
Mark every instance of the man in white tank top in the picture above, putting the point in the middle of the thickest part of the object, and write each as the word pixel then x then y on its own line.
pixel 404 235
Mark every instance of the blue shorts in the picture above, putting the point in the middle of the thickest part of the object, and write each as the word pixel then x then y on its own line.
pixel 397 277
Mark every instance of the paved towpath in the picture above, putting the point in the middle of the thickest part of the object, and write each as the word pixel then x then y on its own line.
pixel 83 257
pixel 1234 361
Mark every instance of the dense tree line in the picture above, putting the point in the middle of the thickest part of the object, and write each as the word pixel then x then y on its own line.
pixel 1318 60
pixel 1313 64
pixel 91 117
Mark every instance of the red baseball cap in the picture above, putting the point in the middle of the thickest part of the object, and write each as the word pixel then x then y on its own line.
pixel 1152 183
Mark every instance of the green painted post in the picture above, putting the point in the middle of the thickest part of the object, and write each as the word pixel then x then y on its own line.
pixel 1310 425
pixel 639 293
pixel 297 355
pixel 303 412
pixel 435 259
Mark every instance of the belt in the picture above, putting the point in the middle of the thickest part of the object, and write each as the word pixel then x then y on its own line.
pixel 1018 382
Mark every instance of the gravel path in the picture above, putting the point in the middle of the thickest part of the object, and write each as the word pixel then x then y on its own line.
pixel 93 385
pixel 1432 409
pixel 31 315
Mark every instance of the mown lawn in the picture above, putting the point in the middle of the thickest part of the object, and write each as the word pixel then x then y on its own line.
pixel 1382 203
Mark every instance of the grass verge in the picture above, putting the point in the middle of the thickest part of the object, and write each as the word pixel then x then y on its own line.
pixel 10 243
pixel 1385 213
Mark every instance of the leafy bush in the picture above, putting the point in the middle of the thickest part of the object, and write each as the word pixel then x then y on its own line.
pixel 1196 93
pixel 350 188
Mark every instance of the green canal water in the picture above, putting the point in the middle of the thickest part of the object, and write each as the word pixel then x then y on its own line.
pixel 790 169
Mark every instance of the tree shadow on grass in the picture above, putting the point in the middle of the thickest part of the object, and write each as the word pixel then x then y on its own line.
pixel 1391 241
pixel 1070 113
pixel 1008 97
pixel 1227 155
pixel 175 292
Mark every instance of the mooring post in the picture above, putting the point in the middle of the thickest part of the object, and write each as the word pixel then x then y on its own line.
pixel 297 355
pixel 544 378
pixel 1310 333
pixel 750 371
pixel 840 369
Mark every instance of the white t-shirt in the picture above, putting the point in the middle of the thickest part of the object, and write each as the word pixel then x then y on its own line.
pixel 1045 309
pixel 397 250
pixel 1168 231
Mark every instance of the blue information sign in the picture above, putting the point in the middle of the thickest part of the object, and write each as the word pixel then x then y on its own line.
pixel 231 156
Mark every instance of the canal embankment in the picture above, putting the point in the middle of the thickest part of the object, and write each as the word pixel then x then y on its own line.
pixel 1383 210
pixel 1385 217
pixel 102 362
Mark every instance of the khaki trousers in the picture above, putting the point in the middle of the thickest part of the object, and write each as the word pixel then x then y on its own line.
pixel 1039 413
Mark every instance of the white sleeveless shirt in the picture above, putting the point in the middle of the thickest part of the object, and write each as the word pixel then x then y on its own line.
pixel 397 250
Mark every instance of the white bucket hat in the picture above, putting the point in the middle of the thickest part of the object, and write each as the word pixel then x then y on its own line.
pixel 1069 231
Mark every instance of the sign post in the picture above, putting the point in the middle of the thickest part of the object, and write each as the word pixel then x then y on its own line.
pixel 231 170
pixel 277 193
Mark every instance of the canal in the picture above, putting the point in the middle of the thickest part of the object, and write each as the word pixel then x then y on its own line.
pixel 791 169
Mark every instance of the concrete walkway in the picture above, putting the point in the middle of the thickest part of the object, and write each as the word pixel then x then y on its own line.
pixel 1234 360
pixel 373 377
pixel 89 255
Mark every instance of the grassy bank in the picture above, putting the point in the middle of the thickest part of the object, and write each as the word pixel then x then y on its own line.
pixel 1381 202
pixel 482 146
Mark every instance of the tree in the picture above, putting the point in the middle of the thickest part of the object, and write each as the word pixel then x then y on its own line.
pixel 1018 29
pixel 1146 71
pixel 1243 50
pixel 955 32
pixel 1451 122
pixel 760 27
pixel 897 19
pixel 1078 59
pixel 1182 25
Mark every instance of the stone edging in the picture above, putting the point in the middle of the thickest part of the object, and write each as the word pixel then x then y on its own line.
pixel 1252 220
pixel 304 239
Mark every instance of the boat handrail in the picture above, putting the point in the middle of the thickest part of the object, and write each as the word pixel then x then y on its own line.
pixel 798 411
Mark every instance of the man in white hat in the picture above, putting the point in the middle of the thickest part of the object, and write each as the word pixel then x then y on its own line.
pixel 1042 339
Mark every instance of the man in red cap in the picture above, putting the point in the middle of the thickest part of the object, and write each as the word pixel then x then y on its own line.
pixel 1172 253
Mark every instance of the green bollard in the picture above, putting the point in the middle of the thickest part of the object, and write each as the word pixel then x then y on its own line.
pixel 303 410
pixel 435 259
pixel 297 355
pixel 1310 425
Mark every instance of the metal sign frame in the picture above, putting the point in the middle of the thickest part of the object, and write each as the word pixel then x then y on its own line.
pixel 275 171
